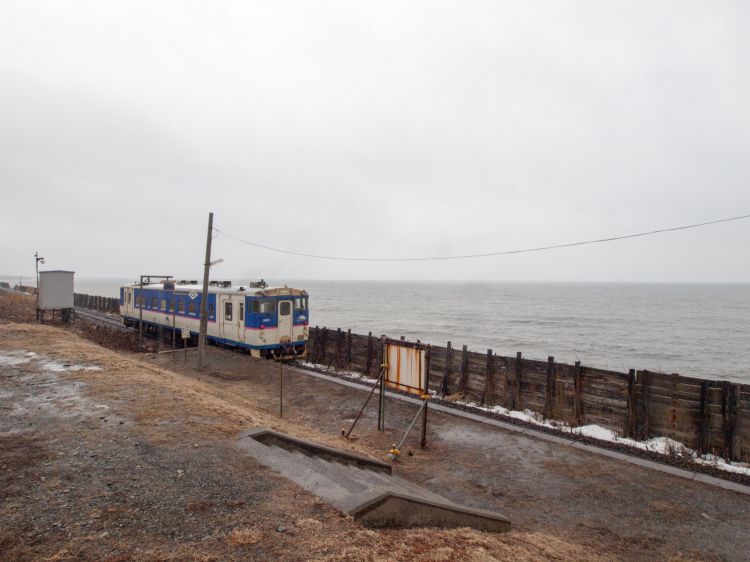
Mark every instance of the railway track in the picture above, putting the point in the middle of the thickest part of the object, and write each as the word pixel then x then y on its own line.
pixel 101 318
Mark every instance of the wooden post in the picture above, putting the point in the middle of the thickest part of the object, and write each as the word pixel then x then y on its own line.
pixel 338 348
pixel 644 397
pixel 549 389
pixel 703 433
pixel 349 349
pixel 316 346
pixel 447 370
pixel 631 416
pixel 463 380
pixel 515 398
pixel 368 365
pixel 323 344
pixel 578 413
pixel 488 395
pixel 729 408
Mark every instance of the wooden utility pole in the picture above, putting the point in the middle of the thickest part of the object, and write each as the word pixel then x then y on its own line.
pixel 204 296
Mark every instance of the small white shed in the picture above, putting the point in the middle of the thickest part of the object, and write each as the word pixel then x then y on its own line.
pixel 55 290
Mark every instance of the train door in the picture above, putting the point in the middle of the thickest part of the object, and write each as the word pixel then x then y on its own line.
pixel 286 322
pixel 232 317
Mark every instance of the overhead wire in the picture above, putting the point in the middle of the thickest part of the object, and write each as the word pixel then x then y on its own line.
pixel 483 254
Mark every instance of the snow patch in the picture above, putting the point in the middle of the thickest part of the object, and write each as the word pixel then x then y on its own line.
pixel 661 445
pixel 15 357
pixel 334 370
pixel 55 367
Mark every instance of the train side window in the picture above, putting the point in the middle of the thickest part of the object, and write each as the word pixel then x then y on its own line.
pixel 180 306
pixel 129 295
pixel 171 305
pixel 163 304
pixel 191 307
pixel 285 308
pixel 264 306
pixel 210 311
pixel 242 311
pixel 154 303
pixel 227 311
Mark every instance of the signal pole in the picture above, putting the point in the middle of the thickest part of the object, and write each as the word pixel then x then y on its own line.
pixel 204 296
pixel 38 259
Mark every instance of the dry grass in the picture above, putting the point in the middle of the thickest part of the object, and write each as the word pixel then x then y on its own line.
pixel 17 307
pixel 168 407
pixel 245 536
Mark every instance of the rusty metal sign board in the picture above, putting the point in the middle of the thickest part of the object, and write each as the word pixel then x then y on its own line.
pixel 406 366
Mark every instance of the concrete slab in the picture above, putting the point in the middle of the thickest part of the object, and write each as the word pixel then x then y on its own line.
pixel 364 488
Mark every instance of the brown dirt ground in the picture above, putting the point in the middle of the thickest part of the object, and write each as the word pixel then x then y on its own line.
pixel 137 461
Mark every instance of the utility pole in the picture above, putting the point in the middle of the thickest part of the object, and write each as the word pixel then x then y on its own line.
pixel 204 296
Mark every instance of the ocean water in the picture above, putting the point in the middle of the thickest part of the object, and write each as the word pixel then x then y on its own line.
pixel 699 330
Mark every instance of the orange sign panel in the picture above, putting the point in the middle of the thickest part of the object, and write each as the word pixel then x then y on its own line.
pixel 406 368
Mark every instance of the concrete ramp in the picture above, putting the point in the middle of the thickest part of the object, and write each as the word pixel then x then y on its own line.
pixel 362 487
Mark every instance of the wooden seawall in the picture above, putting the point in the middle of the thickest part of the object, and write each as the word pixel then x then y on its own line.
pixel 709 416
pixel 93 302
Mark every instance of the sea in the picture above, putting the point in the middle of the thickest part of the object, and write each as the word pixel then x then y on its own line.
pixel 697 330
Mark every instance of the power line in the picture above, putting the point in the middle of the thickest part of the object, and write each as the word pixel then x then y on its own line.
pixel 486 254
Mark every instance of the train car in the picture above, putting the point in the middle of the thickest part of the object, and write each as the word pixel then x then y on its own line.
pixel 268 321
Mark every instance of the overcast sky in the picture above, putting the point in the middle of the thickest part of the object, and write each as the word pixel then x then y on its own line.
pixel 376 129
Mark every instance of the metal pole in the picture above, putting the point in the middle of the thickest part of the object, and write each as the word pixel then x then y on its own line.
pixel 37 259
pixel 36 265
pixel 174 325
pixel 204 296
pixel 139 300
pixel 281 389
pixel 392 455
pixel 423 441
pixel 372 390
pixel 381 404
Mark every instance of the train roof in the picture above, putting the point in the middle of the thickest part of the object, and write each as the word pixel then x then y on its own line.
pixel 224 288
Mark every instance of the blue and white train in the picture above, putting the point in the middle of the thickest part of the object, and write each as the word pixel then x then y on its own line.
pixel 270 322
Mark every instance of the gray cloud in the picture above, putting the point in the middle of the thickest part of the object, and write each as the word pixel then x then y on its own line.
pixel 383 129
